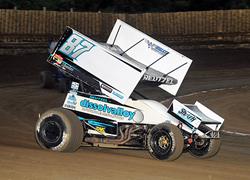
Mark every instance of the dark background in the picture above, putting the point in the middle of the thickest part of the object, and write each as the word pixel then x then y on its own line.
pixel 130 6
pixel 233 64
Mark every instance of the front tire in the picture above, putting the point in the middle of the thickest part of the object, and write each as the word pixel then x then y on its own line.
pixel 165 142
pixel 59 129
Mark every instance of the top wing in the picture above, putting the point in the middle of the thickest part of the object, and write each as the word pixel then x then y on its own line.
pixel 96 65
pixel 165 67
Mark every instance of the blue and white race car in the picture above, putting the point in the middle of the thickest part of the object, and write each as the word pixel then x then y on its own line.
pixel 103 113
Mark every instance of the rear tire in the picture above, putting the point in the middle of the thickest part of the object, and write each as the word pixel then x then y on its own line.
pixel 165 142
pixel 46 80
pixel 59 129
pixel 210 149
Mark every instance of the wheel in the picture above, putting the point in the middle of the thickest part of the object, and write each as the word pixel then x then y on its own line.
pixel 165 142
pixel 46 80
pixel 204 148
pixel 59 129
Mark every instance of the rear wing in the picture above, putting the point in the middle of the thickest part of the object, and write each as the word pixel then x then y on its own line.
pixel 195 114
pixel 165 67
pixel 99 67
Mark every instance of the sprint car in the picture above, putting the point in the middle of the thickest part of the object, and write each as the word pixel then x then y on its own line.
pixel 103 113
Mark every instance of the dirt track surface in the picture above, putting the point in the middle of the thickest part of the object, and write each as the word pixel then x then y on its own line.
pixel 21 158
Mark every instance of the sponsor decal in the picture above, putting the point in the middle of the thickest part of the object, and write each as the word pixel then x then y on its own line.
pixel 110 90
pixel 76 45
pixel 156 48
pixel 67 66
pixel 58 59
pixel 60 63
pixel 105 127
pixel 186 115
pixel 72 99
pixel 69 106
pixel 74 86
pixel 100 129
pixel 160 79
pixel 106 88
pixel 98 98
pixel 71 102
pixel 107 110
pixel 117 94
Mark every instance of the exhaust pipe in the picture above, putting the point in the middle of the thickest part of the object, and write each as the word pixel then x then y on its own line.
pixel 125 137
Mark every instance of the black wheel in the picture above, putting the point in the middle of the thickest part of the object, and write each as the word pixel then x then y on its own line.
pixel 46 80
pixel 59 129
pixel 165 142
pixel 204 148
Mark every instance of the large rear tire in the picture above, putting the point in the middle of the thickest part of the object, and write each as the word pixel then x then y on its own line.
pixel 209 148
pixel 59 129
pixel 165 142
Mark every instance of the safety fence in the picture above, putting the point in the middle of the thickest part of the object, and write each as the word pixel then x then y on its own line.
pixel 183 27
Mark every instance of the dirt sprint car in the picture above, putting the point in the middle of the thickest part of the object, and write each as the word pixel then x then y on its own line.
pixel 98 109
